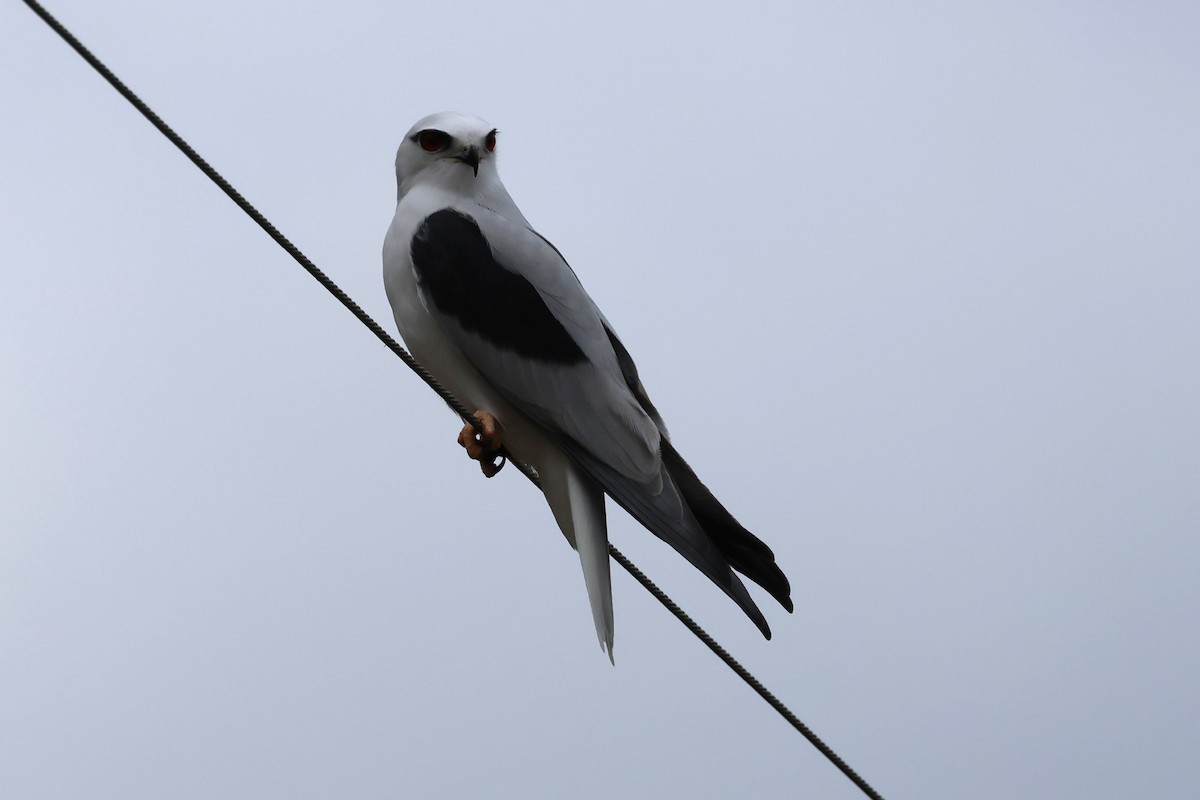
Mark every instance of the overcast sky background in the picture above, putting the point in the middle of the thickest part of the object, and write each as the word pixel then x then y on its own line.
pixel 916 286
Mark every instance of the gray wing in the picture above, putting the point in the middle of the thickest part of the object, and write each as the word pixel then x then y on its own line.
pixel 513 307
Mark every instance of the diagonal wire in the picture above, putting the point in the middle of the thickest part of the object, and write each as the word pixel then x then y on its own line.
pixel 424 374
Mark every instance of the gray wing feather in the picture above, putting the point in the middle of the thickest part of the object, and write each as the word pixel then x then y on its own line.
pixel 596 407
pixel 589 401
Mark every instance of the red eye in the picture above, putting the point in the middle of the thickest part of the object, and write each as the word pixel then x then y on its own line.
pixel 490 141
pixel 431 141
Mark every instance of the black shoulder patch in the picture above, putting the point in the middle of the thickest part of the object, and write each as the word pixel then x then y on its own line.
pixel 461 276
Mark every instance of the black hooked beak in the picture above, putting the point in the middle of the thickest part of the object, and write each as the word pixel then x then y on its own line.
pixel 471 157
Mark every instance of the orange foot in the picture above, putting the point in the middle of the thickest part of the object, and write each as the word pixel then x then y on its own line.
pixel 484 446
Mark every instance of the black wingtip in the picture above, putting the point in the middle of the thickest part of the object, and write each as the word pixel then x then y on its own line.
pixel 737 592
pixel 702 531
pixel 744 551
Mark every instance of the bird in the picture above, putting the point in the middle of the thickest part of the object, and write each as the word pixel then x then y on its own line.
pixel 495 313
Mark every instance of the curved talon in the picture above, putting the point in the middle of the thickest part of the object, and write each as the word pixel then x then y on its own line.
pixel 484 445
pixel 489 465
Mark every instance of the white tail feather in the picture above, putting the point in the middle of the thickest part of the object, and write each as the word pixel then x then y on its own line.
pixel 578 505
pixel 591 541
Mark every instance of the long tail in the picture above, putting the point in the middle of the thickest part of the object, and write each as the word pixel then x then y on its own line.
pixel 578 505
pixel 667 513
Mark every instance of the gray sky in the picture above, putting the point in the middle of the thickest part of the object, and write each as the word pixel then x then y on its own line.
pixel 916 288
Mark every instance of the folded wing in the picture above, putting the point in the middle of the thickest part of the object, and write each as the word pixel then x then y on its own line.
pixel 513 307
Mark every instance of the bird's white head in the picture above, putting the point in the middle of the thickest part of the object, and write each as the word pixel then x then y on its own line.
pixel 455 150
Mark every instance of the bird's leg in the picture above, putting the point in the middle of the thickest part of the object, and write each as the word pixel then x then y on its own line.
pixel 484 446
